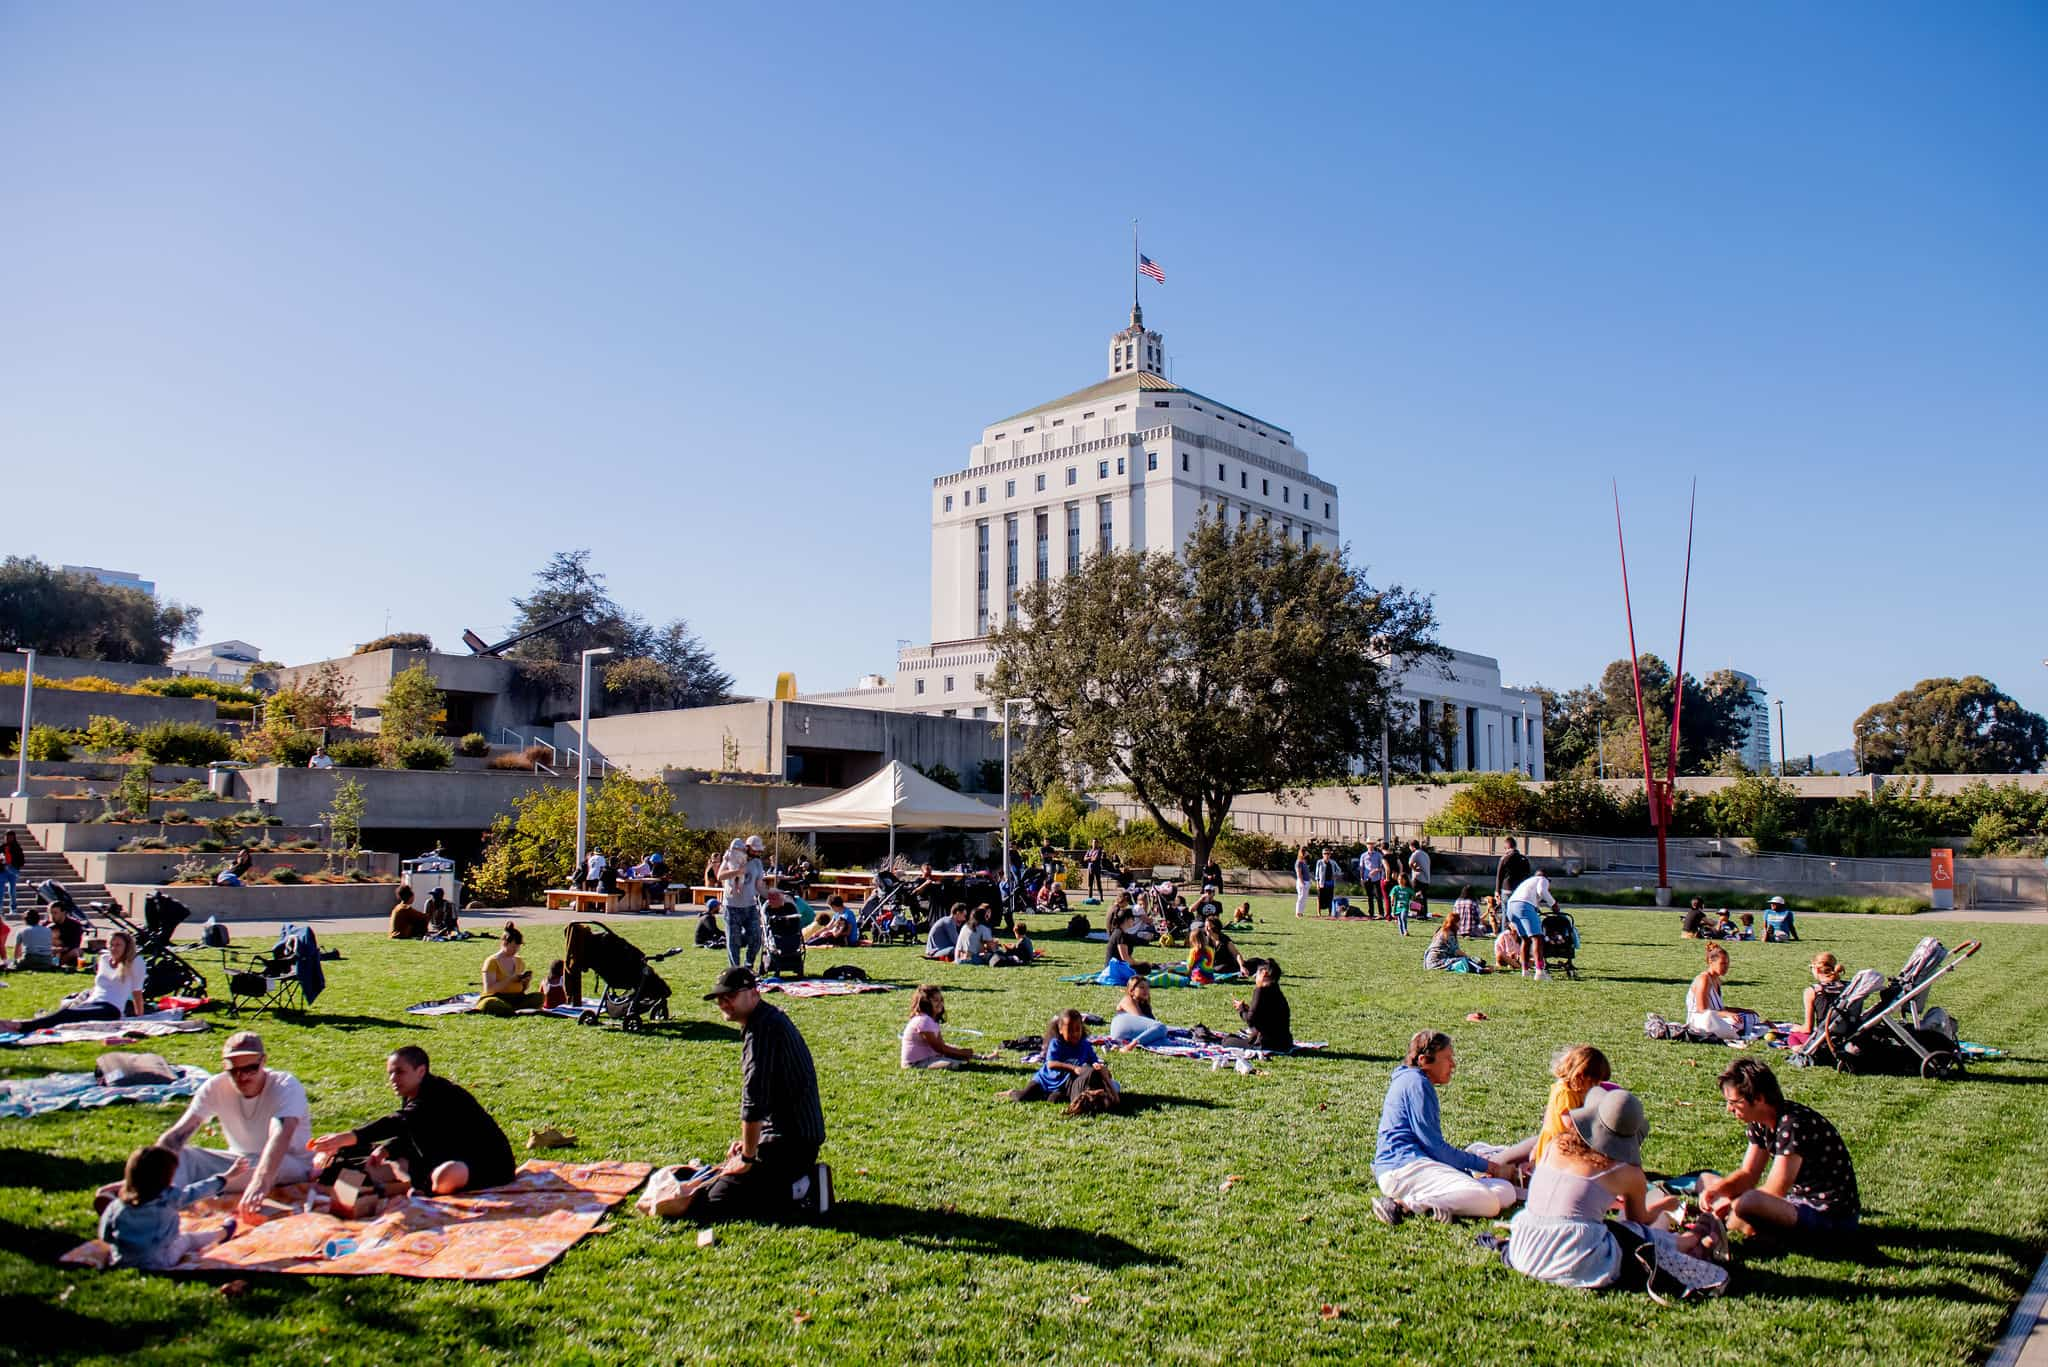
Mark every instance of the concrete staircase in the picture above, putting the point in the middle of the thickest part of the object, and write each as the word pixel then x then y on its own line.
pixel 41 863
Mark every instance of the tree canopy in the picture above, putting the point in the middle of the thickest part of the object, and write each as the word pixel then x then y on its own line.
pixel 1250 664
pixel 63 612
pixel 1714 721
pixel 1951 726
pixel 652 667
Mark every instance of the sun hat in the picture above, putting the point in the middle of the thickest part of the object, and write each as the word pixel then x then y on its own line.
pixel 1777 901
pixel 1614 1125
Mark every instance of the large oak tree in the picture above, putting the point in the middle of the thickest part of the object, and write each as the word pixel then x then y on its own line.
pixel 1951 726
pixel 1250 664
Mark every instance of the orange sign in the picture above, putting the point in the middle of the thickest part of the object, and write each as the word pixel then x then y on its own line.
pixel 1942 869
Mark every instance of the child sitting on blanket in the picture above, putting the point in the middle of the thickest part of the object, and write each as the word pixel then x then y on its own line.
pixel 1201 966
pixel 142 1224
pixel 1019 954
pixel 1070 1062
pixel 555 992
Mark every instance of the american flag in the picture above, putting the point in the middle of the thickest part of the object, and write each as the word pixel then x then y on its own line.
pixel 1147 266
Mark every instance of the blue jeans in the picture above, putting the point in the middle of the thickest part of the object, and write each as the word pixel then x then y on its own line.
pixel 8 879
pixel 742 935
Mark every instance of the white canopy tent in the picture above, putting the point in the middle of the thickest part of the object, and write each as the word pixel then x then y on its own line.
pixel 897 798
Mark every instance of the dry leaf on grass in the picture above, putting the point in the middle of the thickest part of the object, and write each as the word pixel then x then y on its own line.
pixel 1332 1312
pixel 1079 1299
pixel 1230 1182
pixel 1477 1016
pixel 801 1318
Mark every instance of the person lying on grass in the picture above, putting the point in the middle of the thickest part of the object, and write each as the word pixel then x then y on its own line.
pixel 924 1045
pixel 1070 1067
pixel 1268 1020
pixel 1417 1169
pixel 1809 1193
pixel 440 1136
pixel 1443 952
pixel 1703 1008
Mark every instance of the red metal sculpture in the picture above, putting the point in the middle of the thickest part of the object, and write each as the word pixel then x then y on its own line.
pixel 1660 792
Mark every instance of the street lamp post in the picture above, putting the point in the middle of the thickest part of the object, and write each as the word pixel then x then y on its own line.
pixel 28 693
pixel 1782 771
pixel 1008 703
pixel 1386 784
pixel 583 756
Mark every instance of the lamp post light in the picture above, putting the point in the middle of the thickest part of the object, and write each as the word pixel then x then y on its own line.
pixel 583 756
pixel 1782 771
pixel 1008 703
pixel 28 693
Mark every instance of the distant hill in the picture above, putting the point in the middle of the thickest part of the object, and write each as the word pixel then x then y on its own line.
pixel 1835 762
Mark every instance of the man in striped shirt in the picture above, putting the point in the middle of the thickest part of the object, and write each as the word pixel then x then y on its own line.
pixel 772 1170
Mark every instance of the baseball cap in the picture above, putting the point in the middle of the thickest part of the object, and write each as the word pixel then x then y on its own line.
pixel 1614 1125
pixel 1777 901
pixel 754 843
pixel 731 981
pixel 243 1044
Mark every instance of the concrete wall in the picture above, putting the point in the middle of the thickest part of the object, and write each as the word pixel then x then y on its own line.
pixel 76 839
pixel 64 667
pixel 311 902
pixel 103 772
pixel 402 799
pixel 71 710
pixel 149 866
pixel 83 809
pixel 483 686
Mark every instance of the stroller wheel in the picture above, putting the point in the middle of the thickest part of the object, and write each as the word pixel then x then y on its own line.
pixel 1942 1066
pixel 587 1018
pixel 630 1024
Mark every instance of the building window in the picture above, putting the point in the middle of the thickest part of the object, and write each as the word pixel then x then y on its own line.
pixel 1219 470
pixel 980 713
pixel 1073 538
pixel 1119 408
pixel 1183 462
pixel 1244 515
pixel 981 493
pixel 1042 528
pixel 1073 474
pixel 1286 495
pixel 1102 469
pixel 1058 421
pixel 980 578
pixel 1039 485
pixel 949 683
pixel 1304 498
pixel 1151 460
pixel 1266 488
pixel 1244 479
pixel 950 712
pixel 1304 536
pixel 1326 510
pixel 949 503
pixel 1091 413
pixel 1105 539
pixel 1010 567
pixel 918 688
pixel 1119 464
pixel 998 436
pixel 1030 429
pixel 1197 407
pixel 1286 530
pixel 1009 488
pixel 980 682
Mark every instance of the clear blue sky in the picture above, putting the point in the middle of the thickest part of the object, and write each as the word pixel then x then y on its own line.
pixel 315 312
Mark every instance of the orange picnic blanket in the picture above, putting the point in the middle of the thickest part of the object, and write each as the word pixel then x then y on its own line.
pixel 485 1236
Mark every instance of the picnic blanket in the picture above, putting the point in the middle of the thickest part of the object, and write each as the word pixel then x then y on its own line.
pixel 1216 1055
pixel 83 1092
pixel 1162 978
pixel 821 987
pixel 171 1022
pixel 447 1006
pixel 485 1236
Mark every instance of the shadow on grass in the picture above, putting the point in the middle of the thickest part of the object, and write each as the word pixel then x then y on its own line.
pixel 316 1019
pixel 1666 982
pixel 49 1171
pixel 1134 1104
pixel 1340 1054
pixel 990 1235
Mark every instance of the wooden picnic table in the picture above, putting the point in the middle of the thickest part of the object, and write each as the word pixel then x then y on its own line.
pixel 573 897
pixel 633 893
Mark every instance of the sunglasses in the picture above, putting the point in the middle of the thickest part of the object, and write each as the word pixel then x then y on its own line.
pixel 244 1069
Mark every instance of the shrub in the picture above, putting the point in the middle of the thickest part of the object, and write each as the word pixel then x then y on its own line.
pixel 234 711
pixel 141 843
pixel 186 790
pixel 1764 809
pixel 284 876
pixel 193 686
pixel 279 742
pixel 534 848
pixel 135 790
pixel 1495 802
pixel 473 746
pixel 413 708
pixel 184 742
pixel 356 754
pixel 177 816
pixel 209 845
pixel 398 640
pixel 193 870
pixel 50 743
pixel 107 736
pixel 424 753
pixel 84 683
pixel 250 816
pixel 520 762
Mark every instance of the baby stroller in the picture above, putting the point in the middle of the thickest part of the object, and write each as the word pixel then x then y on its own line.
pixel 56 894
pixel 166 974
pixel 634 994
pixel 1561 943
pixel 1880 1025
pixel 887 913
pixel 785 925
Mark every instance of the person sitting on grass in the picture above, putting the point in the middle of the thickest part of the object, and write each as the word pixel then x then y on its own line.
pixel 1445 955
pixel 1507 950
pixel 1704 1011
pixel 831 927
pixel 141 1223
pixel 1748 931
pixel 1417 1169
pixel 440 1136
pixel 1809 1192
pixel 1821 995
pixel 68 931
pixel 1133 1025
pixel 508 982
pixel 1693 926
pixel 1465 912
pixel 977 938
pixel 945 933
pixel 442 921
pixel 924 1044
pixel 1052 897
pixel 1724 928
pixel 116 991
pixel 1562 1236
pixel 33 945
pixel 262 1114
pixel 1200 967
pixel 408 922
pixel 1229 958
pixel 1118 949
pixel 710 935
pixel 1489 915
pixel 1268 1020
pixel 1019 953
pixel 1071 1064
pixel 772 1170
pixel 1575 1072
pixel 1241 919
pixel 555 991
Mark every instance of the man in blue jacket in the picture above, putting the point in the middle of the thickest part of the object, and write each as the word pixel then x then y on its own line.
pixel 1417 1168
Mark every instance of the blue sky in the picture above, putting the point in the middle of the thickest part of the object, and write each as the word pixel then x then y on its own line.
pixel 313 314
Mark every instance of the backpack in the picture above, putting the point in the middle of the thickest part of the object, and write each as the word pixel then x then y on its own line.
pixel 1088 1093
pixel 852 973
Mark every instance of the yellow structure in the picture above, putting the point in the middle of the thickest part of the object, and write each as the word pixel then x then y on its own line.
pixel 785 686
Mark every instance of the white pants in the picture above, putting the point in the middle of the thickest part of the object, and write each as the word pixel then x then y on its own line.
pixel 1427 1182
pixel 1301 896
pixel 1720 1024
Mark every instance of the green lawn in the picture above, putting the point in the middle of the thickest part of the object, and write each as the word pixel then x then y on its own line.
pixel 974 1231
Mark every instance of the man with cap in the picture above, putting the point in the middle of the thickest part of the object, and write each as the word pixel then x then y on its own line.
pixel 263 1116
pixel 740 873
pixel 1778 923
pixel 772 1169
pixel 442 1136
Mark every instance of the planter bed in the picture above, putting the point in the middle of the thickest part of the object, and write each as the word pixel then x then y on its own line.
pixel 85 837
pixel 31 810
pixel 156 866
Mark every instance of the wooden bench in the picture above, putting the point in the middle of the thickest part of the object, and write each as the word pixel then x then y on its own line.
pixel 697 896
pixel 570 897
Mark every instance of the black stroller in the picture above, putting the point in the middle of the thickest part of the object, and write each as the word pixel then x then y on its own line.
pixel 166 975
pixel 1561 943
pixel 634 994
pixel 888 913
pixel 785 926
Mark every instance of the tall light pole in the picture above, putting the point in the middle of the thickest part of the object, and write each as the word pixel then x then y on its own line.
pixel 583 756
pixel 28 693
pixel 1008 703
pixel 1386 784
pixel 1782 771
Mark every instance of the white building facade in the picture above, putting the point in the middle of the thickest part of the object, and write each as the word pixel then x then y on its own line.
pixel 229 661
pixel 1134 462
pixel 1756 747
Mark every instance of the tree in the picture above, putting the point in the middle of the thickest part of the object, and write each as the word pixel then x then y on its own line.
pixel 344 818
pixel 413 708
pixel 1253 664
pixel 1951 726
pixel 567 587
pixel 1571 729
pixel 1714 720
pixel 62 612
pixel 535 848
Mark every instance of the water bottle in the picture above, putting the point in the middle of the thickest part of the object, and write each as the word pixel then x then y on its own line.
pixel 337 1248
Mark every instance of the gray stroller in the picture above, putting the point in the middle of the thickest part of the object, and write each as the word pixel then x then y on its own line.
pixel 1880 1025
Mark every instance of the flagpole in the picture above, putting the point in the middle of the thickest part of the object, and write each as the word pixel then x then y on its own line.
pixel 1134 268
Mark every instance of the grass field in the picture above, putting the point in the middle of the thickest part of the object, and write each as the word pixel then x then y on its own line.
pixel 969 1230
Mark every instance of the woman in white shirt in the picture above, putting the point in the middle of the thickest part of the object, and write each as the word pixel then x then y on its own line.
pixel 116 991
pixel 1704 1010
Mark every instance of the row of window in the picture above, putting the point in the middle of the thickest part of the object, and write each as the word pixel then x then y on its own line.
pixel 980 685
pixel 1244 481
pixel 1105 538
